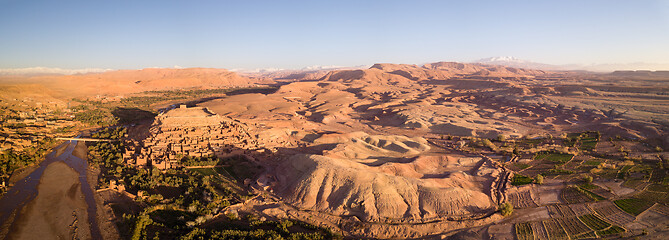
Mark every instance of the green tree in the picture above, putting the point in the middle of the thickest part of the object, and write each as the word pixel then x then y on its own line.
pixel 506 209
pixel 142 222
pixel 488 144
pixel 539 179
pixel 587 179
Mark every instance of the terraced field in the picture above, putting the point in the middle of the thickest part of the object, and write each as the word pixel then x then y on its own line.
pixel 588 235
pixel 524 231
pixel 633 206
pixel 592 163
pixel 610 231
pixel 658 188
pixel 580 209
pixel 661 209
pixel 572 194
pixel 555 229
pixel 522 199
pixel 588 141
pixel 539 231
pixel 557 158
pixel 612 213
pixel 592 195
pixel 573 226
pixel 660 197
pixel 594 222
pixel 560 211
pixel 623 172
pixel 658 175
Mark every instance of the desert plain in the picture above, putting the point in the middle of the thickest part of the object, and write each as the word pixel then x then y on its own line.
pixel 392 151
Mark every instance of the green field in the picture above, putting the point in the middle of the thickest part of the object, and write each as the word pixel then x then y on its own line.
pixel 659 188
pixel 556 171
pixel 633 206
pixel 588 145
pixel 208 171
pixel 607 173
pixel 521 180
pixel 586 141
pixel 558 158
pixel 594 222
pixel 633 183
pixel 659 175
pixel 609 231
pixel 592 195
pixel 623 172
pixel 521 165
pixel 591 162
pixel 653 196
pixel 573 194
pixel 555 230
pixel 588 186
pixel 571 140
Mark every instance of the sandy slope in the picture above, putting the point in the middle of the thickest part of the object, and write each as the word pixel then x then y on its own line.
pixel 352 139
pixel 381 178
pixel 123 82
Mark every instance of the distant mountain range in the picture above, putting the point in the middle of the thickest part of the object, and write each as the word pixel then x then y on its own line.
pixel 517 63
pixel 608 67
pixel 322 70
pixel 35 71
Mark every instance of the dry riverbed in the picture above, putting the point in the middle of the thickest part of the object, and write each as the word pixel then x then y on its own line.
pixel 58 211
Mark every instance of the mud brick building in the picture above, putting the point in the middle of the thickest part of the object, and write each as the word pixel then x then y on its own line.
pixel 195 132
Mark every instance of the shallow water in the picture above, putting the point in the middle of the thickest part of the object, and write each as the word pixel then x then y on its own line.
pixel 25 190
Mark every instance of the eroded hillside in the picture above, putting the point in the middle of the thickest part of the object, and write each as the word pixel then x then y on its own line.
pixel 392 151
pixel 362 145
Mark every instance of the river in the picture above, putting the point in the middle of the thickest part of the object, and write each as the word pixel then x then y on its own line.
pixel 25 191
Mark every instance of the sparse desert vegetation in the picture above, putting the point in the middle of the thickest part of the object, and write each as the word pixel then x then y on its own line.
pixel 391 151
pixel 301 159
pixel 334 120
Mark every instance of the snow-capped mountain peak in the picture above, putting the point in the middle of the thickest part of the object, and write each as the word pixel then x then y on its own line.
pixel 501 59
pixel 516 63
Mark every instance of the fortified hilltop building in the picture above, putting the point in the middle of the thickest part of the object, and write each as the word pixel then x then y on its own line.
pixel 195 132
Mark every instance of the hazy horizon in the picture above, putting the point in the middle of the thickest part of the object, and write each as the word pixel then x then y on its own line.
pixel 334 119
pixel 597 68
pixel 295 35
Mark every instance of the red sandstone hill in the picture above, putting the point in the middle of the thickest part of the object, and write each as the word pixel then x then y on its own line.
pixel 123 82
pixel 381 73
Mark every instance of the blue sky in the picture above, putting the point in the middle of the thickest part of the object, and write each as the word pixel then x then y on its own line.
pixel 296 34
